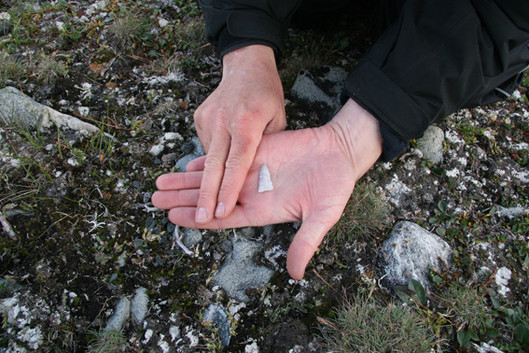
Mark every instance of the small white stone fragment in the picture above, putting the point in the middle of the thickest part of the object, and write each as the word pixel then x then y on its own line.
pixel 74 162
pixel 503 275
pixel 251 348
pixel 8 229
pixel 156 150
pixel 265 181
pixel 174 331
pixel 164 346
pixel 148 335
pixel 171 136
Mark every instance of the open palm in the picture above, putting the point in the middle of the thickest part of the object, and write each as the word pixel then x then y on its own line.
pixel 312 178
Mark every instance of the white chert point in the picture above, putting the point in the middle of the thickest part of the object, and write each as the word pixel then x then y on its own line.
pixel 265 181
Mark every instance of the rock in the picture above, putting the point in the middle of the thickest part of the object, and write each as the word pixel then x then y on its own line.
pixel 163 23
pixel 226 245
pixel 511 212
pixel 287 337
pixel 410 251
pixel 139 305
pixel 322 88
pixel 174 331
pixel 169 157
pixel 503 276
pixel 156 149
pixel 215 315
pixel 193 149
pixel 7 228
pixel 120 316
pixel 239 273
pixel 251 348
pixel 431 144
pixel 191 237
pixel 7 287
pixel 485 348
pixel 18 109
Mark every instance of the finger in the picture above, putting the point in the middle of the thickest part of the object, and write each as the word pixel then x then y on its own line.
pixel 196 165
pixel 212 178
pixel 179 181
pixel 240 159
pixel 304 245
pixel 170 199
pixel 185 217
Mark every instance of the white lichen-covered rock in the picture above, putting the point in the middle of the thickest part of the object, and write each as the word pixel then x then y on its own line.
pixel 511 212
pixel 17 109
pixel 239 272
pixel 120 316
pixel 486 348
pixel 410 251
pixel 503 276
pixel 323 88
pixel 139 305
pixel 215 316
pixel 431 144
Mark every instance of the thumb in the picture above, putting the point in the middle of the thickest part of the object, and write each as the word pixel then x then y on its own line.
pixel 305 244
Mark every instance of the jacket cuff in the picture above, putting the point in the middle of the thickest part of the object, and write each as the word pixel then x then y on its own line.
pixel 392 145
pixel 401 119
pixel 383 98
pixel 228 43
pixel 245 28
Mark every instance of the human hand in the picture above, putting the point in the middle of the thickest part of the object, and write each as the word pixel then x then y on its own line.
pixel 313 172
pixel 230 123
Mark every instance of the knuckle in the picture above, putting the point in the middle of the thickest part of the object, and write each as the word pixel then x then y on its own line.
pixel 213 163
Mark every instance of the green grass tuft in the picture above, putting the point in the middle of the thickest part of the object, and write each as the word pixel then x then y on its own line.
pixel 366 213
pixel 363 324
pixel 108 341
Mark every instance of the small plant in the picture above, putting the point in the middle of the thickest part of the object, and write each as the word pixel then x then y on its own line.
pixel 129 30
pixel 191 34
pixel 108 341
pixel 363 324
pixel 73 32
pixel 12 68
pixel 188 7
pixel 470 315
pixel 48 69
pixel 366 212
pixel 470 131
pixel 516 326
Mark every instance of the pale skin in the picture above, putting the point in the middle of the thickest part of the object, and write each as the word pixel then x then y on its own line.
pixel 314 172
pixel 231 122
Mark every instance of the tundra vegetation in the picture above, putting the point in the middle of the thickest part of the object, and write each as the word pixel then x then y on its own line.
pixel 83 235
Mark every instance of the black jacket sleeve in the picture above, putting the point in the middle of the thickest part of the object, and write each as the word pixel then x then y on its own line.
pixel 233 24
pixel 437 57
pixel 440 56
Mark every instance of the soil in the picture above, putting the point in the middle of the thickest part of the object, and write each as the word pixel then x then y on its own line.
pixel 85 238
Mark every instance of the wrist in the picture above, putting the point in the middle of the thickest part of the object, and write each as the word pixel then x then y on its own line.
pixel 251 57
pixel 357 134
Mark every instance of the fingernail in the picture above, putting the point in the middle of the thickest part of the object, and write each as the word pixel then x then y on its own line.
pixel 201 215
pixel 220 210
